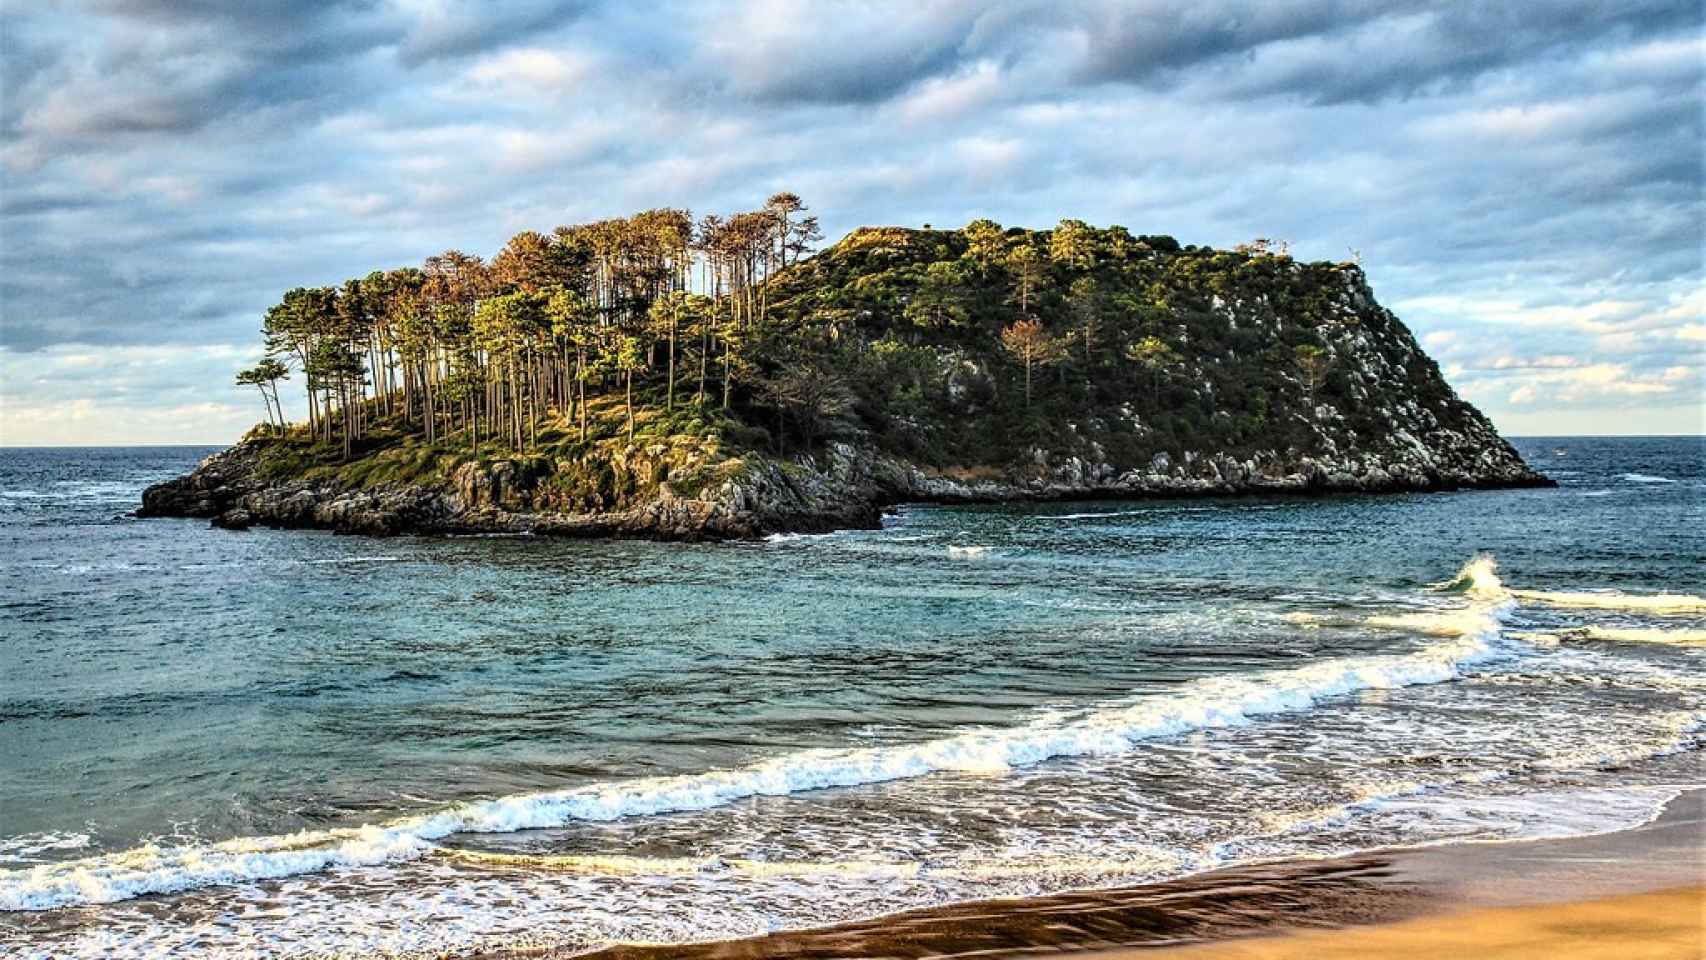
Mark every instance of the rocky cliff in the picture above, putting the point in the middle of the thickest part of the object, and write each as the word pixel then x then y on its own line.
pixel 1167 371
pixel 841 487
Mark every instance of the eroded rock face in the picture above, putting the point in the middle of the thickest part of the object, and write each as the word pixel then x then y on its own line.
pixel 844 486
pixel 210 490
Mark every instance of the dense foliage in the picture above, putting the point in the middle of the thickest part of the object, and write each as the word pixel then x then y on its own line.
pixel 982 344
pixel 963 347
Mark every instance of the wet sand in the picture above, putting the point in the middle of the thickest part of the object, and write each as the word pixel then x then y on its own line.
pixel 1667 925
pixel 1636 893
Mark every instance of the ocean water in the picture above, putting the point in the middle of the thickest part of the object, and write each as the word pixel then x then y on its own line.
pixel 282 743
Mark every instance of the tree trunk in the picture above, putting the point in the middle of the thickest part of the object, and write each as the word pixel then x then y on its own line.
pixel 428 414
pixel 349 418
pixel 704 358
pixel 728 376
pixel 580 384
pixel 629 400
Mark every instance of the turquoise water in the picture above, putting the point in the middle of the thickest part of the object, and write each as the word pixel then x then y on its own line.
pixel 282 742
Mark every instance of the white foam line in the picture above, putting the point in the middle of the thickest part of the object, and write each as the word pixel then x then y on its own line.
pixel 1480 579
pixel 1613 600
pixel 1680 637
pixel 792 537
pixel 1094 516
pixel 23 849
pixel 1203 704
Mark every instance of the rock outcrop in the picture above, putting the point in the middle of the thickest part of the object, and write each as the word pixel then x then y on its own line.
pixel 1181 372
pixel 842 487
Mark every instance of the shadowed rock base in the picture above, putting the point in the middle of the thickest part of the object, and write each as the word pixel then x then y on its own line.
pixel 844 487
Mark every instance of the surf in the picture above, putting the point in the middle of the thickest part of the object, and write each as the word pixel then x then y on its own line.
pixel 1654 603
pixel 1479 578
pixel 1678 637
pixel 1202 704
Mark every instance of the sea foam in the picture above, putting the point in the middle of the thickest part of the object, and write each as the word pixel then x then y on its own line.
pixel 1480 580
pixel 1679 637
pixel 1659 603
pixel 1202 704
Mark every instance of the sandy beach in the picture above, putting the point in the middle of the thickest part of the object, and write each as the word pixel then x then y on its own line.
pixel 1634 895
pixel 1631 894
pixel 1643 926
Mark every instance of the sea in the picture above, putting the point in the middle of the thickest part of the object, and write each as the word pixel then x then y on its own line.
pixel 291 743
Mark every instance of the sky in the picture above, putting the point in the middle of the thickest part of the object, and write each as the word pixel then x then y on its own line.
pixel 1521 181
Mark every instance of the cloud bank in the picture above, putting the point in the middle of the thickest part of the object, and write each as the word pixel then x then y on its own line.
pixel 1523 183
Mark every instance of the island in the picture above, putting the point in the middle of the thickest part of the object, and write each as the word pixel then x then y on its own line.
pixel 663 377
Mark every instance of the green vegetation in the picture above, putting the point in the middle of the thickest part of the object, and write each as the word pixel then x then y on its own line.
pixel 610 357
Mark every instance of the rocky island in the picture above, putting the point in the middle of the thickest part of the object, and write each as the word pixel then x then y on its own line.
pixel 656 376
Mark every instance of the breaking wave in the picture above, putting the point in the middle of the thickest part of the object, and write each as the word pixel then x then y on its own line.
pixel 25 849
pixel 1093 515
pixel 1614 600
pixel 793 537
pixel 1480 579
pixel 1684 638
pixel 1201 704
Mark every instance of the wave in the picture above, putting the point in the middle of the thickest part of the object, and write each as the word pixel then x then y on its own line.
pixel 969 553
pixel 1479 578
pixel 1094 516
pixel 1126 863
pixel 1644 478
pixel 626 866
pixel 792 537
pixel 1445 623
pixel 492 535
pixel 24 849
pixel 1201 704
pixel 1681 637
pixel 1615 600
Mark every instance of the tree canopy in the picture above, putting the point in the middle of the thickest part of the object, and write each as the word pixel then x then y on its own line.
pixel 951 346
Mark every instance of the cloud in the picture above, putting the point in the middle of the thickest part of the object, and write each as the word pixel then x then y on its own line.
pixel 1523 182
pixel 529 72
pixel 838 52
pixel 1602 384
pixel 1330 52
pixel 438 29
pixel 96 394
pixel 940 99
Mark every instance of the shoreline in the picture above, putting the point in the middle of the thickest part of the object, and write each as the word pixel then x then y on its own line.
pixel 1657 925
pixel 845 488
pixel 1219 914
pixel 628 525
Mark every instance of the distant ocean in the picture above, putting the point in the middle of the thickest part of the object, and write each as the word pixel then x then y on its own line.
pixel 286 743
